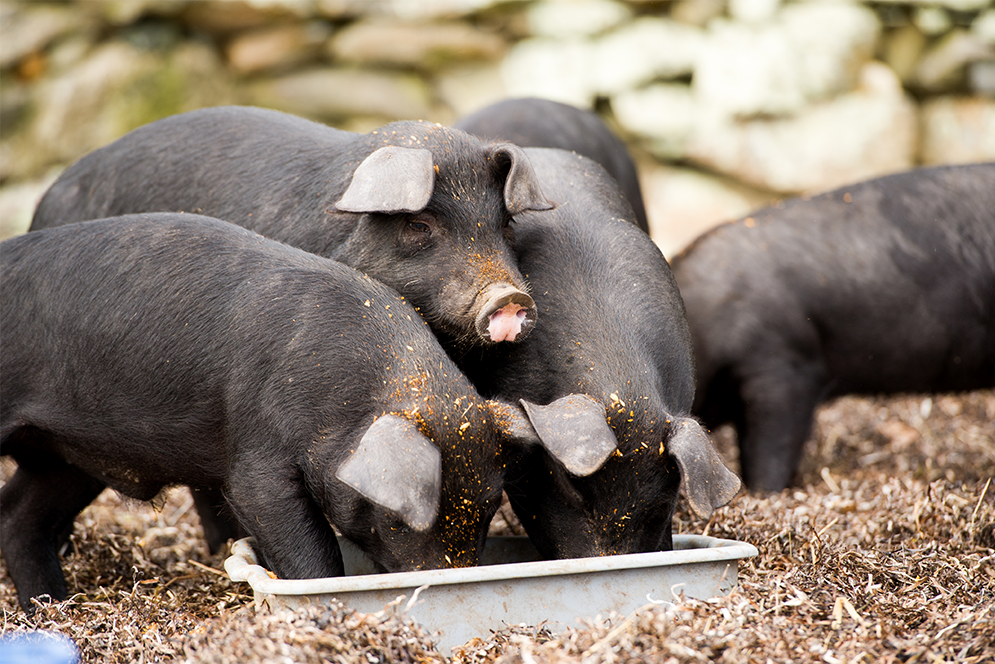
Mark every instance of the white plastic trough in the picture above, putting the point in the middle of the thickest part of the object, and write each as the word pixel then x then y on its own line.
pixel 510 586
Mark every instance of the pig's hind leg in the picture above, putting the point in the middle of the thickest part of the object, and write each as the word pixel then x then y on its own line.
pixel 293 536
pixel 38 508
pixel 778 403
pixel 216 519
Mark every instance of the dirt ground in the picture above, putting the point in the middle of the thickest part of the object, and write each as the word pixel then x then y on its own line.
pixel 885 551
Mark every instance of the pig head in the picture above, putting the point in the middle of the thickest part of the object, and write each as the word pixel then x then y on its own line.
pixel 423 208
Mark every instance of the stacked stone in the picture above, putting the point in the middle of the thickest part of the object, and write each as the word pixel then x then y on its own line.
pixel 726 104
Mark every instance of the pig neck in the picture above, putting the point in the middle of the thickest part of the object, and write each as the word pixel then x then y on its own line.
pixel 460 424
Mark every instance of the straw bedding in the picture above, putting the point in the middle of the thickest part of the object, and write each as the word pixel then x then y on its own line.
pixel 885 551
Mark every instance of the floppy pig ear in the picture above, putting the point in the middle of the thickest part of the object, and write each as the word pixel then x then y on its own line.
pixel 705 480
pixel 392 179
pixel 574 430
pixel 397 467
pixel 521 187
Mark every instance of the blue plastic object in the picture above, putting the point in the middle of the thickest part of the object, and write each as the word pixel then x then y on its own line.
pixel 37 648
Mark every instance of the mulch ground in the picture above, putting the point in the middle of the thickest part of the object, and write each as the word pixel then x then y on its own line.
pixel 884 552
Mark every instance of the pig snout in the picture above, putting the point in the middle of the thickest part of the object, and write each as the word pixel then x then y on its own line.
pixel 505 313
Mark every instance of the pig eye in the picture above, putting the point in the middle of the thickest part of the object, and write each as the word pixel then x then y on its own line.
pixel 419 225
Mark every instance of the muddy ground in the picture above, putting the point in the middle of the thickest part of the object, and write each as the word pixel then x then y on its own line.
pixel 885 551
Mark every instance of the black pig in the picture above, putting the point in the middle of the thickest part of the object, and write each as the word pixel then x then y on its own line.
pixel 542 123
pixel 883 286
pixel 151 350
pixel 423 208
pixel 613 327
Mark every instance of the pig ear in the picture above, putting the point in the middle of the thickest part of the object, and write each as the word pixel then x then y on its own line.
pixel 705 480
pixel 574 430
pixel 397 467
pixel 392 179
pixel 521 187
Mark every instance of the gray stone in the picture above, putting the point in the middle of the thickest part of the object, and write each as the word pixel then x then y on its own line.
pixel 279 48
pixel 332 94
pixel 932 20
pixel 113 90
pixel 903 50
pixel 943 66
pixel 955 5
pixel 697 12
pixel 69 52
pixel 339 9
pixel 832 41
pixel 14 102
pixel 746 71
pixel 423 45
pixel 665 115
pixel 984 26
pixel 576 70
pixel 981 77
pixel 575 19
pixel 868 132
pixel 220 17
pixel 430 9
pixel 470 88
pixel 552 68
pixel 643 50
pixel 18 202
pixel 683 203
pixel 753 11
pixel 958 130
pixel 28 28
pixel 810 52
pixel 125 12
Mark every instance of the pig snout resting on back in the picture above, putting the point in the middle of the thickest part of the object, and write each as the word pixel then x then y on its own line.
pixel 151 350
pixel 425 209
pixel 883 286
pixel 613 327
pixel 542 123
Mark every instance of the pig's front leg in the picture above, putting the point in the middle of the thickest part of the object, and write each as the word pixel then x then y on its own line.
pixel 38 510
pixel 293 536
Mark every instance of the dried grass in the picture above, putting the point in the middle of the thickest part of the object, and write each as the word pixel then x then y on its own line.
pixel 885 552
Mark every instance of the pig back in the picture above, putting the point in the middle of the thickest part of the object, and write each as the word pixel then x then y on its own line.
pixel 175 333
pixel 265 170
pixel 857 281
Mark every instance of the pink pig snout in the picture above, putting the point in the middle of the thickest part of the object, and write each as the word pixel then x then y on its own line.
pixel 507 314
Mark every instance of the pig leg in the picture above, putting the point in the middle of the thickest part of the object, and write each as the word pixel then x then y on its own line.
pixel 216 519
pixel 293 536
pixel 778 403
pixel 38 511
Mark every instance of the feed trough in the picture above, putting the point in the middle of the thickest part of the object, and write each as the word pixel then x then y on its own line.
pixel 511 586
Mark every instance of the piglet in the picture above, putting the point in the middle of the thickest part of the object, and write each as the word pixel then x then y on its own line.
pixel 423 208
pixel 614 328
pixel 879 287
pixel 150 350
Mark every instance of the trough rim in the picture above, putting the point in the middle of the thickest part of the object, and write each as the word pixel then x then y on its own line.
pixel 242 565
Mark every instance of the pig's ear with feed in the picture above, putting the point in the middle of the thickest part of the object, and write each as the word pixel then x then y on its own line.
pixel 392 179
pixel 521 187
pixel 573 429
pixel 705 480
pixel 397 467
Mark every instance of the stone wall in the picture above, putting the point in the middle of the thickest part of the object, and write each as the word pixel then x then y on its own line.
pixel 726 104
